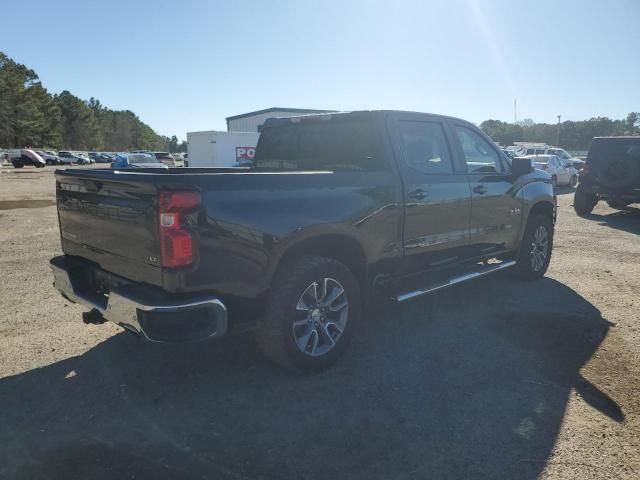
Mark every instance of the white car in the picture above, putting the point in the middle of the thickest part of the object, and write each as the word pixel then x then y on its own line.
pixel 540 149
pixel 562 171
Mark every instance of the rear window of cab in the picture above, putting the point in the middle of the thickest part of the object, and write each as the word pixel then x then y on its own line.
pixel 329 145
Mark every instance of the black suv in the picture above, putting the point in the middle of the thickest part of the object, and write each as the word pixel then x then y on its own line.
pixel 611 173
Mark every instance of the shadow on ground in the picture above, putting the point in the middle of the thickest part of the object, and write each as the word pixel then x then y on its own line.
pixel 627 220
pixel 468 383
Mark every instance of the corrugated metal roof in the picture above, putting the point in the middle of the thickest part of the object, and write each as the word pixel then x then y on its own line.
pixel 278 109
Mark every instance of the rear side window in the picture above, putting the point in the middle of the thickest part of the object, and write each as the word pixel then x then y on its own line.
pixel 478 153
pixel 335 145
pixel 425 147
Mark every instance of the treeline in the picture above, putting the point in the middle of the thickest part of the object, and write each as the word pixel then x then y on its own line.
pixel 31 117
pixel 569 135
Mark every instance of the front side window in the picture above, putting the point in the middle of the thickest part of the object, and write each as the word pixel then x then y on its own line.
pixel 425 147
pixel 478 153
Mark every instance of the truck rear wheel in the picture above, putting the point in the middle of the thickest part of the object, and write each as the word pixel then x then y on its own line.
pixel 535 251
pixel 313 311
pixel 583 202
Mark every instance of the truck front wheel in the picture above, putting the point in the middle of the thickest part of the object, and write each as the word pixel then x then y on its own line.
pixel 313 312
pixel 535 251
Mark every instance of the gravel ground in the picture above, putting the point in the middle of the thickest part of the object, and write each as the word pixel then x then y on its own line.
pixel 493 379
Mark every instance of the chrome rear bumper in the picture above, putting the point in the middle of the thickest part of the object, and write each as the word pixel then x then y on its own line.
pixel 170 320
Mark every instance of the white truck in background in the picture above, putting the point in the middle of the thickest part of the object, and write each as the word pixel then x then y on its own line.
pixel 221 149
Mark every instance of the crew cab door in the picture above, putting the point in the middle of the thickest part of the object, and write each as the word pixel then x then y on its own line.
pixel 496 210
pixel 437 199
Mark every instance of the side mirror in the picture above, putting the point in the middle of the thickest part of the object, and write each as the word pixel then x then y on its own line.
pixel 521 166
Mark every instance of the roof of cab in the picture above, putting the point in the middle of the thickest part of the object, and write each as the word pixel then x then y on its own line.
pixel 355 113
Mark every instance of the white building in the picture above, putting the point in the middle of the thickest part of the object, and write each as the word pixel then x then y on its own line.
pixel 253 121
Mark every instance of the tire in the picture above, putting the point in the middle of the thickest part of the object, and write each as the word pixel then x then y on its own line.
pixel 583 202
pixel 282 342
pixel 17 165
pixel 536 248
pixel 554 181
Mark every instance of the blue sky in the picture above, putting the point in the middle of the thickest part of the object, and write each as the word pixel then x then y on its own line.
pixel 186 65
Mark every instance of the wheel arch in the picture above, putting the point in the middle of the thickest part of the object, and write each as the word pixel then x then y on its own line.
pixel 545 208
pixel 339 246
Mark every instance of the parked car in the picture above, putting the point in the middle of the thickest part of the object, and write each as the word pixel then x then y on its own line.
pixel 20 158
pixel 70 158
pixel 50 158
pixel 562 172
pixel 137 160
pixel 507 152
pixel 83 159
pixel 104 158
pixel 542 149
pixel 340 209
pixel 165 157
pixel 611 173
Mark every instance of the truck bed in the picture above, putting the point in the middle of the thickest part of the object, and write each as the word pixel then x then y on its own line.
pixel 110 218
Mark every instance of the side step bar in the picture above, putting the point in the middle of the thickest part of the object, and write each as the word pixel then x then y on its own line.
pixel 454 281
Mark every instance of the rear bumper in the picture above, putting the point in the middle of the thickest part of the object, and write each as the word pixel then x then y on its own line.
pixel 157 316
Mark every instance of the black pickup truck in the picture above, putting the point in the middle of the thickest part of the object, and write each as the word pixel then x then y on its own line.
pixel 337 209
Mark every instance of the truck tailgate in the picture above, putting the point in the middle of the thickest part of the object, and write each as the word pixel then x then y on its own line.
pixel 111 220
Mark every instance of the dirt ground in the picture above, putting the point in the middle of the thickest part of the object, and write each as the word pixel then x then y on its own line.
pixel 494 379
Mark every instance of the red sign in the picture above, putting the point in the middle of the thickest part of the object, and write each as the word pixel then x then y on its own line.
pixel 245 153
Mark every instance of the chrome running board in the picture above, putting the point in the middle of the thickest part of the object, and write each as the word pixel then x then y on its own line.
pixel 454 281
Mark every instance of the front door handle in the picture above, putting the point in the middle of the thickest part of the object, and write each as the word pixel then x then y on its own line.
pixel 418 194
pixel 480 189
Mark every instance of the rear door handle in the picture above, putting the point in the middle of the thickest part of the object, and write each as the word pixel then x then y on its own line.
pixel 418 194
pixel 480 189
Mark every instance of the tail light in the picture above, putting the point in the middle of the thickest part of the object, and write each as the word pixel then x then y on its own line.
pixel 176 244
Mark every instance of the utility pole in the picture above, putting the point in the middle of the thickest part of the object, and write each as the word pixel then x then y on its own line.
pixel 558 136
pixel 515 111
